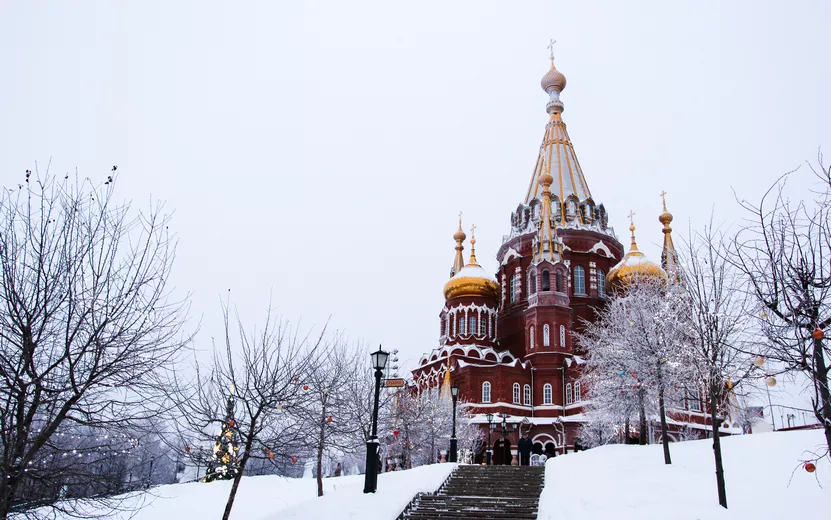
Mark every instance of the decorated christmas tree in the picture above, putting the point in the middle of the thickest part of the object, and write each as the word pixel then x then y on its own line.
pixel 224 462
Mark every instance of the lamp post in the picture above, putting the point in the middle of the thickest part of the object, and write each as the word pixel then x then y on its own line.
pixel 454 443
pixel 379 362
pixel 488 452
pixel 506 453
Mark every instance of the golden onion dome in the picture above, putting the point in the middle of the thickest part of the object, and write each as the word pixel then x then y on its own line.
pixel 459 236
pixel 471 280
pixel 553 80
pixel 634 267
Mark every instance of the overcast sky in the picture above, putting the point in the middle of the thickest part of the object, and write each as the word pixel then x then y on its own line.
pixel 320 151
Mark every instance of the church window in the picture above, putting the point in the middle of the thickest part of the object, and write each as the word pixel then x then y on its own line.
pixel 532 283
pixel 462 325
pixel 441 331
pixel 695 400
pixel 514 289
pixel 472 328
pixel 516 393
pixel 483 329
pixel 490 325
pixel 579 280
pixel 577 392
pixel 486 392
pixel 527 395
pixel 546 394
pixel 562 336
pixel 546 335
pixel 568 394
pixel 531 334
pixel 558 281
pixel 546 281
pixel 601 283
pixel 454 324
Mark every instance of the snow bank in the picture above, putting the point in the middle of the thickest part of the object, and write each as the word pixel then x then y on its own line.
pixel 271 497
pixel 764 476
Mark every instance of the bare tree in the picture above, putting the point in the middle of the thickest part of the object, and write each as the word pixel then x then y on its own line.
pixel 784 251
pixel 716 318
pixel 86 323
pixel 265 372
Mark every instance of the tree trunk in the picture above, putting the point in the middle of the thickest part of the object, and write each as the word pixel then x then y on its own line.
pixel 228 505
pixel 626 432
pixel 821 380
pixel 642 417
pixel 320 444
pixel 7 490
pixel 722 489
pixel 664 434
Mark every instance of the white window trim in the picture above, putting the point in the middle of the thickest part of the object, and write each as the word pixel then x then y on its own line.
pixel 486 392
pixel 577 395
pixel 526 390
pixel 569 399
pixel 516 394
pixel 546 335
pixel 547 394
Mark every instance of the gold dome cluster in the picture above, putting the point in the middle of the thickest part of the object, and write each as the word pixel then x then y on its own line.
pixel 633 268
pixel 471 280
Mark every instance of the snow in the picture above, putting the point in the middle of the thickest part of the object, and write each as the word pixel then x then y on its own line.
pixel 474 271
pixel 763 472
pixel 272 497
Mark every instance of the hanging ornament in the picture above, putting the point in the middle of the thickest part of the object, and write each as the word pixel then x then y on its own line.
pixel 294 460
pixel 818 334
pixel 729 384
pixel 232 423
pixel 395 433
pixel 759 361
pixel 187 448
pixel 430 421
pixel 634 387
pixel 270 454
pixel 635 375
pixel 771 381
pixel 763 315
pixel 810 467
pixel 622 392
pixel 329 419
pixel 305 387
pixel 622 373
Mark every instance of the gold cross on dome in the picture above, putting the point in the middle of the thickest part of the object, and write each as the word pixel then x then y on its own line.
pixel 631 218
pixel 472 230
pixel 550 47
pixel 664 199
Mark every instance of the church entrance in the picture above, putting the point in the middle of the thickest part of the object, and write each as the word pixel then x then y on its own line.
pixel 502 452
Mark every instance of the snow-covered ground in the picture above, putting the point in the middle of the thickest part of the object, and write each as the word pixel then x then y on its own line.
pixel 269 497
pixel 764 475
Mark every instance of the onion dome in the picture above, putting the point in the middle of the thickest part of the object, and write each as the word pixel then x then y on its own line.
pixel 553 80
pixel 634 267
pixel 669 260
pixel 471 280
pixel 459 261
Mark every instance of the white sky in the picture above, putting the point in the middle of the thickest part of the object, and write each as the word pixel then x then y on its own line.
pixel 320 151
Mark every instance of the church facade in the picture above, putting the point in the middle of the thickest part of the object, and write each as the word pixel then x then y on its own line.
pixel 508 340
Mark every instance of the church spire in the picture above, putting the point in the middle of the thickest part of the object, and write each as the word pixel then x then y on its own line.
pixel 546 243
pixel 668 256
pixel 459 261
pixel 472 260
pixel 557 158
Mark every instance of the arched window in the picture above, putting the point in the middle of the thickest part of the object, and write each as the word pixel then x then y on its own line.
pixel 562 336
pixel 546 281
pixel 531 336
pixel 577 392
pixel 579 280
pixel 546 335
pixel 516 393
pixel 601 283
pixel 462 325
pixel 532 283
pixel 486 392
pixel 695 400
pixel 558 281
pixel 454 324
pixel 527 395
pixel 514 289
pixel 546 394
pixel 472 327
pixel 483 329
pixel 568 394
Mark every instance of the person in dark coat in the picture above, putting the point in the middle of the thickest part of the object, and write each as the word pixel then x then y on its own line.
pixel 525 447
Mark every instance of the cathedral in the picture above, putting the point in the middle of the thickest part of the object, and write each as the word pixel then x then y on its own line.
pixel 507 342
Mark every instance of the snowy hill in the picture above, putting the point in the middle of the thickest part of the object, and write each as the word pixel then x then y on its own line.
pixel 764 477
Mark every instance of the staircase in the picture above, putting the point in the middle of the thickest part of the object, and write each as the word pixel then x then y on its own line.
pixel 483 492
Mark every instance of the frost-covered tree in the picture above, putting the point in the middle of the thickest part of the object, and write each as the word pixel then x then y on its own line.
pixel 636 352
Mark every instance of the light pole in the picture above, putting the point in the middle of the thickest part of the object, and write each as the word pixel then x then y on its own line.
pixel 379 362
pixel 505 452
pixel 454 443
pixel 488 452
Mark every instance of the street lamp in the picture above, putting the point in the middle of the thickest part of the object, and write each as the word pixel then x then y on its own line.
pixel 379 362
pixel 488 451
pixel 454 443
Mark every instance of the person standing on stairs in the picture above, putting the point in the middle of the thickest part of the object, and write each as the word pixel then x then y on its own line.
pixel 525 446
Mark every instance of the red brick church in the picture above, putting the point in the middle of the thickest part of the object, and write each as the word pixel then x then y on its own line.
pixel 508 341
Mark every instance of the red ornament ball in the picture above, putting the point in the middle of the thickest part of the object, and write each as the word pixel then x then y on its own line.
pixel 810 467
pixel 818 333
pixel 294 460
pixel 232 423
pixel 329 419
pixel 395 433
pixel 305 387
pixel 187 448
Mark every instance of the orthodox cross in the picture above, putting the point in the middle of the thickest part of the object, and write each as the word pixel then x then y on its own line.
pixel 460 219
pixel 664 199
pixel 631 218
pixel 472 230
pixel 550 47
